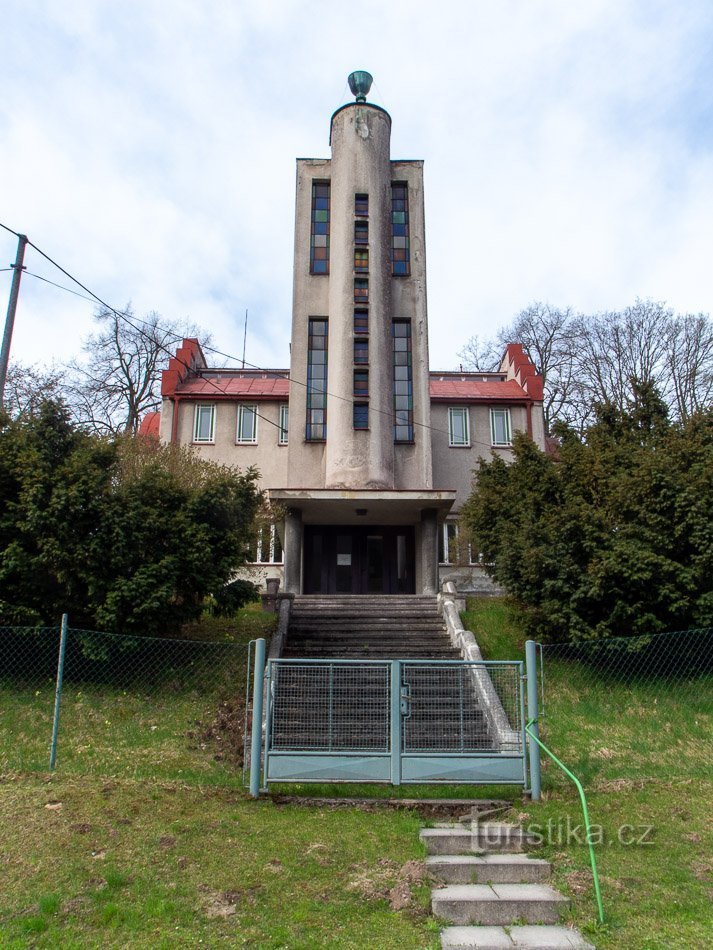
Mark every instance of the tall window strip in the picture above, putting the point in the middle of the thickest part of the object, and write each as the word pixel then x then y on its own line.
pixel 361 260
pixel 361 350
pixel 400 253
pixel 317 380
pixel 361 383
pixel 284 424
pixel 361 232
pixel 361 415
pixel 319 239
pixel 403 381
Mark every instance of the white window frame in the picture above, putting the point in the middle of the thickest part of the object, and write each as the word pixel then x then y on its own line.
pixel 447 542
pixel 508 426
pixel 264 556
pixel 200 408
pixel 464 414
pixel 284 424
pixel 244 407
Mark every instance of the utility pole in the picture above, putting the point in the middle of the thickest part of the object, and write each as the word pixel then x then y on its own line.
pixel 18 268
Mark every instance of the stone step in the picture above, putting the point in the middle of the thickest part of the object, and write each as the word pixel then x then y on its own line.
pixel 525 938
pixel 488 869
pixel 498 904
pixel 483 837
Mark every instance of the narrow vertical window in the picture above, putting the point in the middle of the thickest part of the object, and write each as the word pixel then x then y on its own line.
pixel 319 238
pixel 361 382
pixel 361 205
pixel 361 261
pixel 448 544
pixel 247 424
pixel 204 423
pixel 403 381
pixel 400 252
pixel 500 426
pixel 284 422
pixel 361 321
pixel 361 290
pixel 361 415
pixel 317 380
pixel 361 232
pixel 458 430
pixel 361 350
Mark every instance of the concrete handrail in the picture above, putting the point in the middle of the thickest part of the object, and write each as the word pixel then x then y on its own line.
pixel 507 738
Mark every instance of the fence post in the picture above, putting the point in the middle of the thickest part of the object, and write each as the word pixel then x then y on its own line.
pixel 58 690
pixel 532 715
pixel 256 735
pixel 395 722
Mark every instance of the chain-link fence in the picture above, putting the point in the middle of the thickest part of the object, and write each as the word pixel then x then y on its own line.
pixel 130 706
pixel 631 708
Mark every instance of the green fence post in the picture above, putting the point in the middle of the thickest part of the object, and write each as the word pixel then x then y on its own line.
pixel 533 715
pixel 395 722
pixel 256 735
pixel 58 690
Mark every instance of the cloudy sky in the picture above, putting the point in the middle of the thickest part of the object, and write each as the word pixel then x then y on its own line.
pixel 149 148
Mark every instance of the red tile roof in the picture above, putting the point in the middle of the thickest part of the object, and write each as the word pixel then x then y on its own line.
pixel 466 389
pixel 225 386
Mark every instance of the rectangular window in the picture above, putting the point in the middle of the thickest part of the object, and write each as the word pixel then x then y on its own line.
pixel 403 381
pixel 361 232
pixel 319 236
pixel 361 321
pixel 361 350
pixel 458 430
pixel 448 543
pixel 361 290
pixel 266 548
pixel 317 380
pixel 361 205
pixel 500 426
pixel 204 423
pixel 361 382
pixel 361 261
pixel 400 251
pixel 247 424
pixel 284 421
pixel 361 415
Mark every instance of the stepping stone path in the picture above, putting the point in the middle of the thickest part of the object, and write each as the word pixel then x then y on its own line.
pixel 494 894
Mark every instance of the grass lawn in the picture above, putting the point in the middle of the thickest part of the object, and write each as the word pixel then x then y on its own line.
pixel 144 838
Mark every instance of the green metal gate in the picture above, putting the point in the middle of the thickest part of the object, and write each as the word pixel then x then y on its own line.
pixel 393 721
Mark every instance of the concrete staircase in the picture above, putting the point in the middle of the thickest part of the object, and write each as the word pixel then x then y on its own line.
pixel 494 895
pixel 373 627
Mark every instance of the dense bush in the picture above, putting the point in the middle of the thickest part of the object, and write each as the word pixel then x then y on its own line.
pixel 123 534
pixel 613 537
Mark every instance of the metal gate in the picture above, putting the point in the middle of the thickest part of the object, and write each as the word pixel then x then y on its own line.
pixel 394 721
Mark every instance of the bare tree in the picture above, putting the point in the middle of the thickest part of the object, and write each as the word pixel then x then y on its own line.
pixel 27 387
pixel 604 357
pixel 119 381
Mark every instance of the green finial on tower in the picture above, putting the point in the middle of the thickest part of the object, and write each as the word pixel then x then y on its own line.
pixel 360 84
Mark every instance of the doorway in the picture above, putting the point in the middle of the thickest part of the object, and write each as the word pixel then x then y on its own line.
pixel 370 559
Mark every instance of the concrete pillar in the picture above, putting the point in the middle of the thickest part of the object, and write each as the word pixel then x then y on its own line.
pixel 429 550
pixel 293 551
pixel 360 137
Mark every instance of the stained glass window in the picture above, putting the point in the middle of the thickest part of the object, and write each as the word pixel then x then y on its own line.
pixel 361 261
pixel 317 380
pixel 400 252
pixel 361 290
pixel 361 232
pixel 361 321
pixel 361 382
pixel 403 381
pixel 319 238
pixel 361 205
pixel 361 415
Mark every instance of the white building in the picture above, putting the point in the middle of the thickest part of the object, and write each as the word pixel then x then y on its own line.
pixel 367 454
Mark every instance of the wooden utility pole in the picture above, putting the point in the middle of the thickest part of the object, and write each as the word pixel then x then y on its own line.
pixel 18 268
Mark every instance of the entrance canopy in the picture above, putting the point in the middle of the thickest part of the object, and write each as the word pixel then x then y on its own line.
pixel 363 506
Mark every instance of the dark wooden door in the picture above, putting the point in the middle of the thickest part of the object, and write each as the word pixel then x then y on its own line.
pixel 373 559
